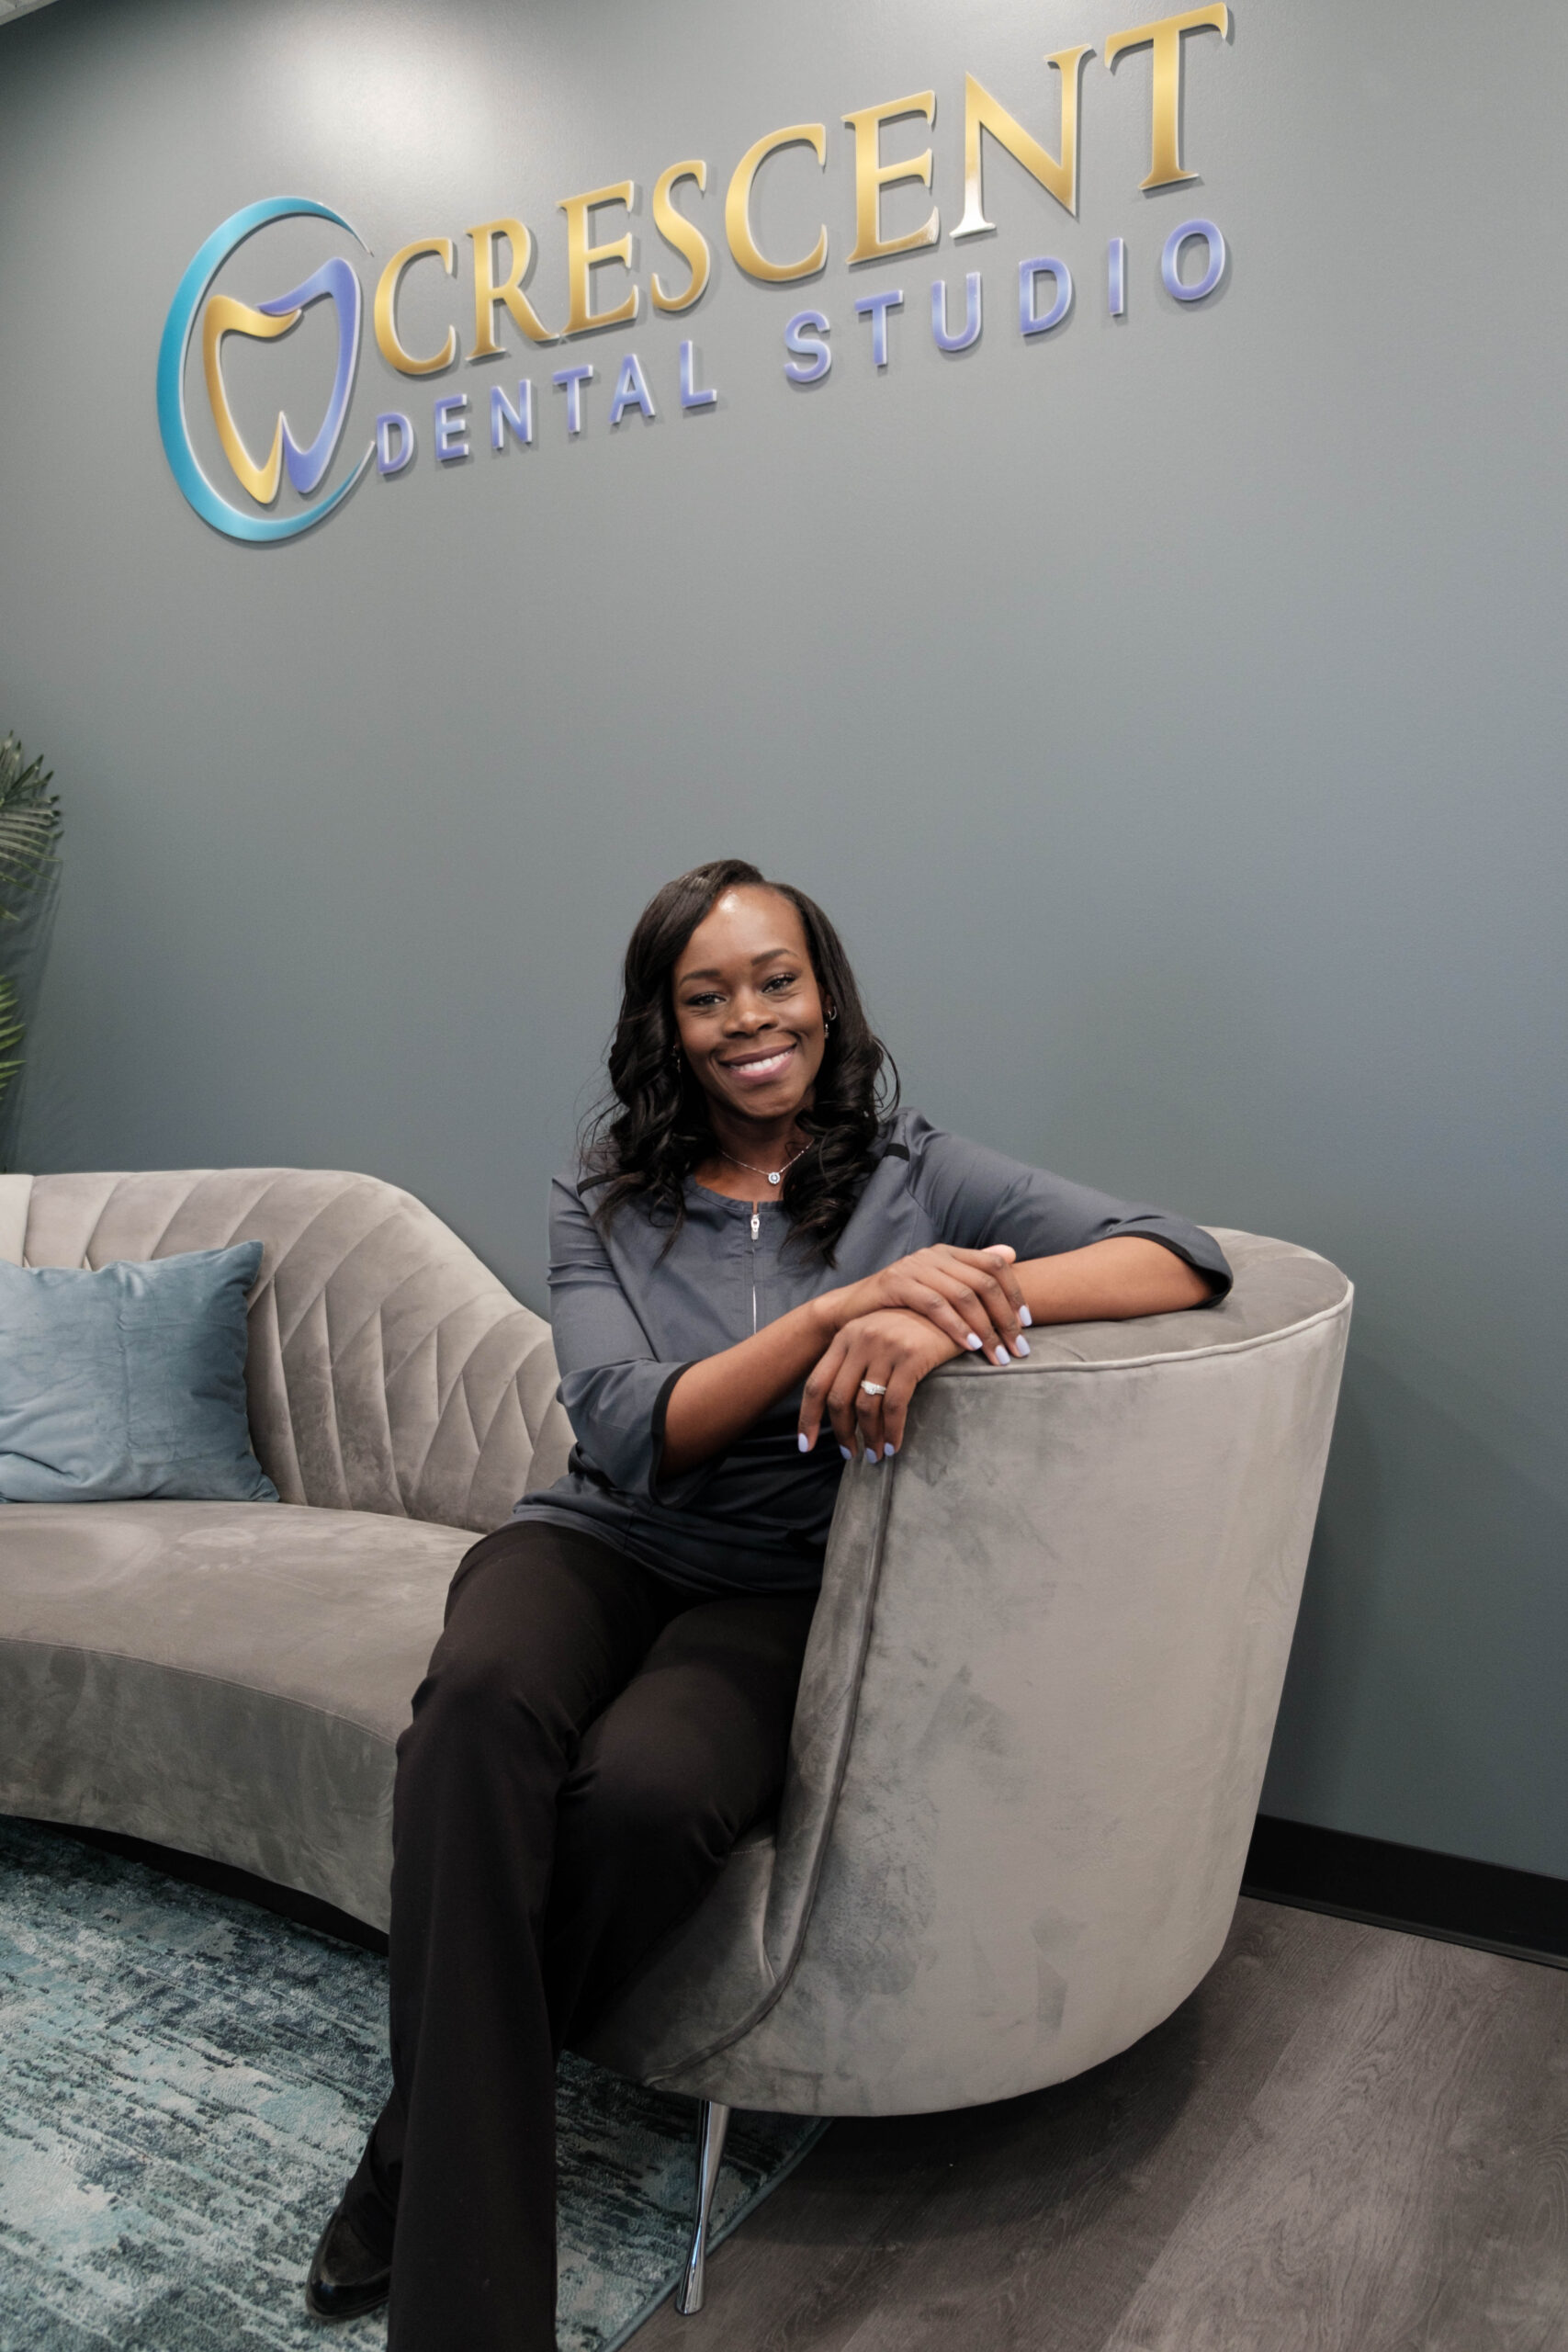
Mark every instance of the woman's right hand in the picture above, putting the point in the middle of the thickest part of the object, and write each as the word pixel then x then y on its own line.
pixel 971 1295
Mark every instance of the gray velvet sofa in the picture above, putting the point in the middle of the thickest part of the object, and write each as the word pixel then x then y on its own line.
pixel 1037 1701
pixel 228 1678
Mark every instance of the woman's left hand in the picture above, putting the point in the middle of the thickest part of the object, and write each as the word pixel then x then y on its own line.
pixel 893 1347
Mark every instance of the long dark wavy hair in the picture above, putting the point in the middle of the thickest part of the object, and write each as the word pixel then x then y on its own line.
pixel 652 1129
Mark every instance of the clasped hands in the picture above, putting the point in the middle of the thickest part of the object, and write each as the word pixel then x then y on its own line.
pixel 897 1326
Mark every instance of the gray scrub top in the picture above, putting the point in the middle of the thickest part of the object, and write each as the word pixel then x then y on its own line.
pixel 627 1322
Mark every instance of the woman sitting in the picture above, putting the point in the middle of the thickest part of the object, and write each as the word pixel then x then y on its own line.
pixel 756 1264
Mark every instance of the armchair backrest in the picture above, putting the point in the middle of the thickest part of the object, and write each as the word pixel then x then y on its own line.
pixel 1032 1725
pixel 388 1369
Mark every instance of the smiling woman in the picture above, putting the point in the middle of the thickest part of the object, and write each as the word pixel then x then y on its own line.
pixel 690 1082
pixel 755 1240
pixel 744 1071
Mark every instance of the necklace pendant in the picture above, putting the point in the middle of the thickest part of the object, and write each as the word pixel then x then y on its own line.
pixel 774 1175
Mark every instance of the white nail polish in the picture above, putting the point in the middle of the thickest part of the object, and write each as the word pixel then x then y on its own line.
pixel 803 1441
pixel 888 1453
pixel 972 1339
pixel 847 1454
pixel 1025 1317
pixel 1022 1346
pixel 1002 1356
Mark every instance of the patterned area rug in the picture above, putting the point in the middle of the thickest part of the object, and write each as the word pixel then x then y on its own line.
pixel 185 2085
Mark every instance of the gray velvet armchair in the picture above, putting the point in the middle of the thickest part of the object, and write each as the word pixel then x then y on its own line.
pixel 1037 1701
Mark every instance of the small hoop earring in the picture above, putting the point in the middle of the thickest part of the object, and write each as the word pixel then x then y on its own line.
pixel 828 1018
pixel 675 1059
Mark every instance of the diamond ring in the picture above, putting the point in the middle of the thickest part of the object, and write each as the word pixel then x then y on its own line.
pixel 874 1387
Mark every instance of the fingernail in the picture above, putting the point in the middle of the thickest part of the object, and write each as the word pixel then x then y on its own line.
pixel 1002 1356
pixel 1022 1346
pixel 888 1451
pixel 872 1455
pixel 803 1441
pixel 847 1454
pixel 1025 1317
pixel 971 1339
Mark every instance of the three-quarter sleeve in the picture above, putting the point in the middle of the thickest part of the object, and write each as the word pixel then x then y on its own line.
pixel 976 1197
pixel 612 1385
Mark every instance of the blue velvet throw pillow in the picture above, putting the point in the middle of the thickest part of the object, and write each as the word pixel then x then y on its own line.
pixel 128 1384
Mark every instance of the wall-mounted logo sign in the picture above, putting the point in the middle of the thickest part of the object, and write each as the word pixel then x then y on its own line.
pixel 335 282
pixel 502 251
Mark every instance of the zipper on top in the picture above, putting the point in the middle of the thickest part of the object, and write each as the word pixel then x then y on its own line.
pixel 756 1233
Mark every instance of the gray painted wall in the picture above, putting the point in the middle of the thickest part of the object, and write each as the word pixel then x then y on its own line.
pixel 1169 709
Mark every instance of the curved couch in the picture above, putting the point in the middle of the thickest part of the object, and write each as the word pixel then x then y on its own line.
pixel 229 1678
pixel 1037 1701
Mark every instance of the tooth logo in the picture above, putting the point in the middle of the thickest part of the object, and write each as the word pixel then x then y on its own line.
pixel 307 467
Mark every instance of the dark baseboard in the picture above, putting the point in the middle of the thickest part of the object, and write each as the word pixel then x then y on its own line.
pixel 223 1878
pixel 1405 1887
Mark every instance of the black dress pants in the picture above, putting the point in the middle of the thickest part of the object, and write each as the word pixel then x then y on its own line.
pixel 586 1747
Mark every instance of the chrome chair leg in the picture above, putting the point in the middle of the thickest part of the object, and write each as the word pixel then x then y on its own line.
pixel 712 2128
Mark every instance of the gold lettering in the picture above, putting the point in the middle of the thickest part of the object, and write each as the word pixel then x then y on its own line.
pixel 684 235
pixel 386 338
pixel 489 294
pixel 982 112
pixel 583 259
pixel 1165 167
pixel 737 206
pixel 872 176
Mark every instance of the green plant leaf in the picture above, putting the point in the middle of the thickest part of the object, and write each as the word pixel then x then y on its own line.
pixel 10 1035
pixel 29 824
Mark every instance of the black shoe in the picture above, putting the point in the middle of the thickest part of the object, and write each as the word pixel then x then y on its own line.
pixel 345 2278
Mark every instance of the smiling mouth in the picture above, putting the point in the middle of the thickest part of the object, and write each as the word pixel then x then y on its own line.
pixel 756 1068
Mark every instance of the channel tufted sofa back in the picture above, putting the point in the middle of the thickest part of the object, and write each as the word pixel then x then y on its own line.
pixel 389 1369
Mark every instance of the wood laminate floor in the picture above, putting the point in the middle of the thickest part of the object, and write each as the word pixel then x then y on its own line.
pixel 1347 2140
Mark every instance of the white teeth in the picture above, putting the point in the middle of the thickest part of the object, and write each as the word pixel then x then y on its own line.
pixel 765 1068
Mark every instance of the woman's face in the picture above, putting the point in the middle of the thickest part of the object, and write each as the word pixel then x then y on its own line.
pixel 748 1008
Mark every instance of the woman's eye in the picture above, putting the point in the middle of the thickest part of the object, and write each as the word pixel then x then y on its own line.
pixel 780 982
pixel 700 1003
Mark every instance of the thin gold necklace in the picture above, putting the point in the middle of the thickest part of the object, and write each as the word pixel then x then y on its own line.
pixel 773 1175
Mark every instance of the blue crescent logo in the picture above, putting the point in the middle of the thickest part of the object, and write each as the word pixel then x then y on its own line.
pixel 306 466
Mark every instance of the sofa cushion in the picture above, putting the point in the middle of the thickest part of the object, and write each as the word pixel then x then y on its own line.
pixel 389 1369
pixel 128 1383
pixel 228 1678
